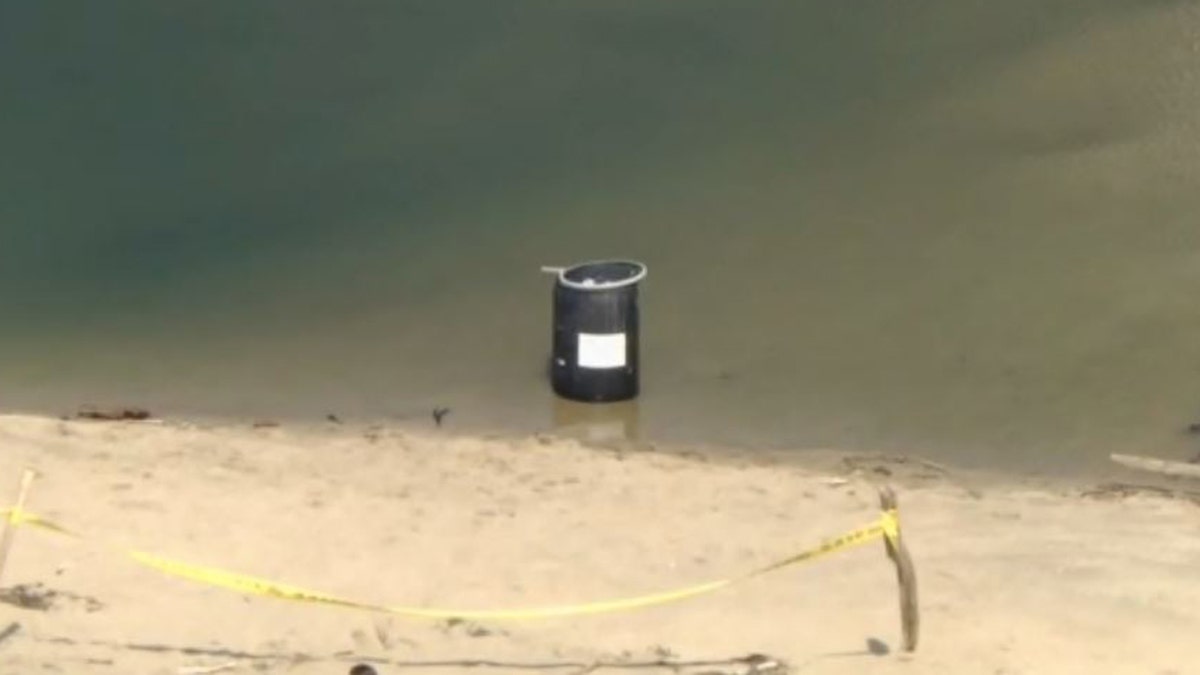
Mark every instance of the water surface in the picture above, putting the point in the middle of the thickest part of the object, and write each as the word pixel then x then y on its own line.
pixel 966 229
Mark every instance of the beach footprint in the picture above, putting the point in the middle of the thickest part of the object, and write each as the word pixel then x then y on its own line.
pixel 383 635
pixel 389 637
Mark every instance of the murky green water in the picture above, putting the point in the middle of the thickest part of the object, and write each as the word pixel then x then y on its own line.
pixel 963 228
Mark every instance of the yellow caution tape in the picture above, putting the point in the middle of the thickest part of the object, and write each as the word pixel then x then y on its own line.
pixel 854 538
pixel 17 516
pixel 887 526
pixel 241 582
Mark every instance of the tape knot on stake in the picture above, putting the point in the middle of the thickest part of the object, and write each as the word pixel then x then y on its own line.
pixel 16 516
pixel 890 522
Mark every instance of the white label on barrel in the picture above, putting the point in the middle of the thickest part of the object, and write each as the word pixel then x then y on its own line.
pixel 601 351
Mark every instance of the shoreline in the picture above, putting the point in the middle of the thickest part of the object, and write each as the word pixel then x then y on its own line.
pixel 622 425
pixel 1014 576
pixel 604 435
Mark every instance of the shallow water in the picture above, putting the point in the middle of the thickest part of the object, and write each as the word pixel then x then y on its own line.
pixel 962 228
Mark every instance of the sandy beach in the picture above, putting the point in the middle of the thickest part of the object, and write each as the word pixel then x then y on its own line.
pixel 1015 576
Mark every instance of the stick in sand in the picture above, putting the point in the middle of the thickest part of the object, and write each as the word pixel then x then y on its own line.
pixel 10 523
pixel 906 575
pixel 1154 465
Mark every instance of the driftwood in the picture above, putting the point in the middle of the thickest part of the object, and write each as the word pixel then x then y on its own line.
pixel 906 576
pixel 1160 466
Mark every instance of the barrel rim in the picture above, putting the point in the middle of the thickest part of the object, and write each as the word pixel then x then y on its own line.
pixel 606 285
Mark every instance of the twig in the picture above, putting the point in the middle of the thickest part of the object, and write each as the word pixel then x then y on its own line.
pixel 752 660
pixel 10 631
pixel 439 413
pixel 207 670
pixel 1155 465
pixel 930 464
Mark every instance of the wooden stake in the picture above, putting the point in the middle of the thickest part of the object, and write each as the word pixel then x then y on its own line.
pixel 10 523
pixel 1154 465
pixel 906 575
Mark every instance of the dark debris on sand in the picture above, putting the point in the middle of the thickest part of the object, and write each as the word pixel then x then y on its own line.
pixel 39 598
pixel 118 414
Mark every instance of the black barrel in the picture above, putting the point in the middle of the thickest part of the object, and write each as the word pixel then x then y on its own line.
pixel 596 331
